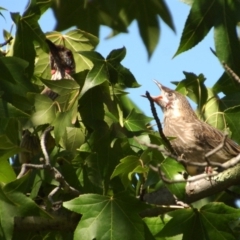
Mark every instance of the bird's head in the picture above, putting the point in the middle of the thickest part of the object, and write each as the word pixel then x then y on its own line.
pixel 172 103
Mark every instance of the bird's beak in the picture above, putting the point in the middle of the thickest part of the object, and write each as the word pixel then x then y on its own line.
pixel 157 98
pixel 158 84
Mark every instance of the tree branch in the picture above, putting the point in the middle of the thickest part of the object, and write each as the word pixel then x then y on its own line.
pixel 159 125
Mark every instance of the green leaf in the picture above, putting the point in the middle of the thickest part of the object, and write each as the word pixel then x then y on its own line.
pixel 155 225
pixel 11 67
pixel 232 117
pixel 136 121
pixel 97 75
pixel 213 114
pixel 117 54
pixel 108 69
pixel 149 28
pixel 15 204
pixel 91 107
pixel 200 20
pixel 7 173
pixel 85 16
pixel 60 123
pixel 214 219
pixel 117 15
pixel 7 148
pixel 118 73
pixel 7 110
pixel 45 109
pixel 195 88
pixel 120 210
pixel 172 169
pixel 126 166
pixel 189 226
pixel 226 84
pixel 62 87
pixel 73 139
pixel 225 34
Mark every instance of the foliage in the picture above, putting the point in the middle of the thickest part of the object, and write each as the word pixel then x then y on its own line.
pixel 98 130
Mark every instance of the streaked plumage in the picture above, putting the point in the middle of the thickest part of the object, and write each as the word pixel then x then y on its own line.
pixel 194 138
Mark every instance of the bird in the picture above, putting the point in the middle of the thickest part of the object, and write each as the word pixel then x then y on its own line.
pixel 192 137
pixel 62 65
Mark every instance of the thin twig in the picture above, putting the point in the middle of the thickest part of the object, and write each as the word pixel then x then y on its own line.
pixel 179 159
pixel 159 125
pixel 43 144
pixel 63 184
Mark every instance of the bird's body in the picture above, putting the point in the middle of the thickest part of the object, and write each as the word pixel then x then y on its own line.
pixel 193 138
pixel 62 66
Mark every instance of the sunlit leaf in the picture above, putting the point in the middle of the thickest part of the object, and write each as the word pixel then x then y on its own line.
pixel 126 166
pixel 15 204
pixel 172 170
pixel 214 219
pixel 73 139
pixel 232 118
pixel 45 110
pixel 136 121
pixel 120 210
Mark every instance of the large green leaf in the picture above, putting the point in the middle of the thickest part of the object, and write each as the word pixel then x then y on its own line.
pixel 73 139
pixel 97 75
pixel 210 222
pixel 223 16
pixel 120 211
pixel 60 123
pixel 200 20
pixel 88 15
pixel 212 111
pixel 45 109
pixel 155 224
pixel 136 121
pixel 173 170
pixel 14 203
pixel 118 73
pixel 62 87
pixel 225 34
pixel 109 69
pixel 126 166
pixel 7 173
pixel 232 117
pixel 117 15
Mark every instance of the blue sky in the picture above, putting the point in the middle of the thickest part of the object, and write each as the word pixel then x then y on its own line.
pixel 161 66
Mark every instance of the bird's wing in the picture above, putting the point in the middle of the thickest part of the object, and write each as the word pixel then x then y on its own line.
pixel 212 137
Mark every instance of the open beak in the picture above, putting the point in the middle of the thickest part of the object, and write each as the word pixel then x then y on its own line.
pixel 157 98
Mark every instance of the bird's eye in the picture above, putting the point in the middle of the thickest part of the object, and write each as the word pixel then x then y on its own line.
pixel 170 94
